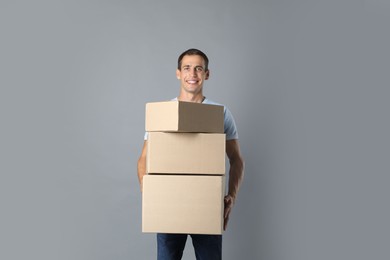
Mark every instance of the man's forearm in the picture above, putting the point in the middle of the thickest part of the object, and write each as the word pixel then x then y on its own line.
pixel 236 174
pixel 141 166
pixel 141 171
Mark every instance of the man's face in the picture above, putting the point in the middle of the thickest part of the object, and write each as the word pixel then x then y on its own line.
pixel 192 74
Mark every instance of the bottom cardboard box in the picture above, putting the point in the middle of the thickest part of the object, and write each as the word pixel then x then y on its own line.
pixel 186 204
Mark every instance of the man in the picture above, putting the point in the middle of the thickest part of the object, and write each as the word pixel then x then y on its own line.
pixel 192 71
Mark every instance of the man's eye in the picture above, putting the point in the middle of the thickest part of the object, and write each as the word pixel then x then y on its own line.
pixel 186 68
pixel 199 69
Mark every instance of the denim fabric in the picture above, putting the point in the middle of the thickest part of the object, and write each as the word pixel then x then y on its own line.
pixel 206 247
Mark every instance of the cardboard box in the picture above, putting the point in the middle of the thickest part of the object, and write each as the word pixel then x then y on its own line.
pixel 178 116
pixel 183 204
pixel 185 153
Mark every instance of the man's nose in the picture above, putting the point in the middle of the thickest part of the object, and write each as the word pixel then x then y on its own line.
pixel 193 72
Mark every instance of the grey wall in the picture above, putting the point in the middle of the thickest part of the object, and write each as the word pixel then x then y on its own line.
pixel 308 84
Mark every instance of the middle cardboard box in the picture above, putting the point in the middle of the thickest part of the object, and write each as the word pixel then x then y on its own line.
pixel 185 153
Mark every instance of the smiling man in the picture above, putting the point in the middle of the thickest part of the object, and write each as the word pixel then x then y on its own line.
pixel 192 71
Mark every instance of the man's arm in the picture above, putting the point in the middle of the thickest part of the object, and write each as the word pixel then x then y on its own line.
pixel 236 174
pixel 142 165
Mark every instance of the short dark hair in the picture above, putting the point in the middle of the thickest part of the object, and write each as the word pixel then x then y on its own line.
pixel 193 52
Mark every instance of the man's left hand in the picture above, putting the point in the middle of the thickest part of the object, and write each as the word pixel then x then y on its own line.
pixel 228 201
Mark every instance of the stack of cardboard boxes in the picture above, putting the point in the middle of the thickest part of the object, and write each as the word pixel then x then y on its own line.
pixel 184 187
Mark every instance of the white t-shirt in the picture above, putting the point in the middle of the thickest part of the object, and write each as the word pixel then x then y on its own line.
pixel 230 128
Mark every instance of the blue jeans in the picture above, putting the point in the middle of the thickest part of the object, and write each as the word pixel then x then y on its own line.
pixel 171 246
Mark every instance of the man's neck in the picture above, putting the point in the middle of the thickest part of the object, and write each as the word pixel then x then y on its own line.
pixel 198 98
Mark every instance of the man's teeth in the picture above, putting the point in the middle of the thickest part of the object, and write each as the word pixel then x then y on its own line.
pixel 192 81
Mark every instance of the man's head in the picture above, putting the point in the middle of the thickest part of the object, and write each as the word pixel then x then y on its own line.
pixel 192 70
pixel 190 52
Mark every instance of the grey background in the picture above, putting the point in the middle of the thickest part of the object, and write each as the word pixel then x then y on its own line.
pixel 308 84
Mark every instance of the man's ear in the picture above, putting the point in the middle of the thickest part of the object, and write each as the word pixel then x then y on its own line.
pixel 207 74
pixel 177 73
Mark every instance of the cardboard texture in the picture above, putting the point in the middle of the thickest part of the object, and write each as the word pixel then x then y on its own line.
pixel 178 116
pixel 185 153
pixel 183 204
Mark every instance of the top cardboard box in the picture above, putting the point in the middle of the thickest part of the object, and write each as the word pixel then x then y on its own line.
pixel 179 116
